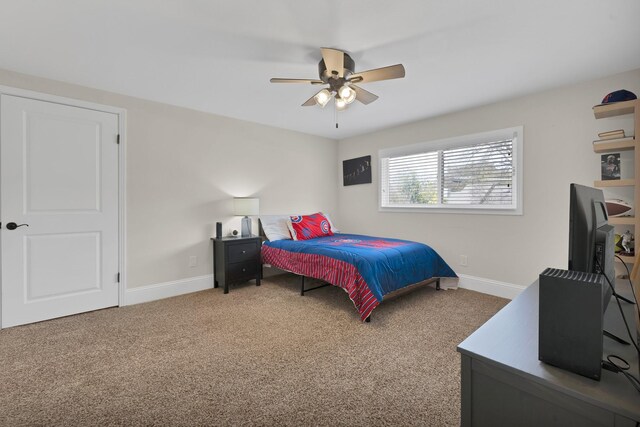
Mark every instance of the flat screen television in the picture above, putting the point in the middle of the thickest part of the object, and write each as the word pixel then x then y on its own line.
pixel 591 238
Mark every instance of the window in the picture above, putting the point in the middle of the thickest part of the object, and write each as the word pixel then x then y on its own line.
pixel 479 173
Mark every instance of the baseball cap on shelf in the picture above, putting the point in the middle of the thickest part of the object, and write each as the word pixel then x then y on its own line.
pixel 619 96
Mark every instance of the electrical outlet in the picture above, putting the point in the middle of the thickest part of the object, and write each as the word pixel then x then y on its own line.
pixel 193 261
pixel 463 260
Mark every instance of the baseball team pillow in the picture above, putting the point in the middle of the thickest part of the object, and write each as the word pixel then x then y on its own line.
pixel 304 227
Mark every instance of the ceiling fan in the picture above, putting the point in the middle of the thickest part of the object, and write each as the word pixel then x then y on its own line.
pixel 336 68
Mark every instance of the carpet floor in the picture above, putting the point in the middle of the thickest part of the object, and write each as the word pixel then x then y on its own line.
pixel 256 356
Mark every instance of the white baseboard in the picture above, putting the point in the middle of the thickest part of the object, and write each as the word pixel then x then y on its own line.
pixel 200 283
pixel 488 286
pixel 167 289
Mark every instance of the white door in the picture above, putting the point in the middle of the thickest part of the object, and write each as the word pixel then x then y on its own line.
pixel 59 177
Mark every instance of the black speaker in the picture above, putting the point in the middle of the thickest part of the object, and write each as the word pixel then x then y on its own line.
pixel 571 321
pixel 218 230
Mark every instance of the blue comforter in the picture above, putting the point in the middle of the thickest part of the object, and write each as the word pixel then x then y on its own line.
pixel 385 264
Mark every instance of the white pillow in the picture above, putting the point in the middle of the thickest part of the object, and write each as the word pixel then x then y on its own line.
pixel 275 227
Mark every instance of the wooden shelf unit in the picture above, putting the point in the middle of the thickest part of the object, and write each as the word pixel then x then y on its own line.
pixel 613 110
pixel 615 183
pixel 622 220
pixel 627 259
pixel 622 144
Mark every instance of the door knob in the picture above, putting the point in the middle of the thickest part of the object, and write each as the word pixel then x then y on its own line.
pixel 13 225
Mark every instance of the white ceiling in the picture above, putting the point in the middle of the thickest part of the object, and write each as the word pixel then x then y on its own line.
pixel 218 56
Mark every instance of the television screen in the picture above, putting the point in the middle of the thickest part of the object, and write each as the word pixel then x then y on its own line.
pixel 591 238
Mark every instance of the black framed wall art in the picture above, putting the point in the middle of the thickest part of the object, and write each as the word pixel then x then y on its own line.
pixel 356 171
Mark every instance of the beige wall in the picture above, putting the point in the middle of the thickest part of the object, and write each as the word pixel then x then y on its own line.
pixel 184 167
pixel 559 128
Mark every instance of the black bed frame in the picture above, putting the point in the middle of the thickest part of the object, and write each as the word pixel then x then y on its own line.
pixel 324 285
pixel 368 319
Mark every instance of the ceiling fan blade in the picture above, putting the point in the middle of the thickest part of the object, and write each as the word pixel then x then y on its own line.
pixel 312 81
pixel 311 101
pixel 363 96
pixel 334 61
pixel 384 73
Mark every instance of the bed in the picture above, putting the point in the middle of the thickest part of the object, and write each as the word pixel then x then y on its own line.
pixel 368 268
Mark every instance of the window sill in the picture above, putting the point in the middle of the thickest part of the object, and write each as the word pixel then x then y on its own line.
pixel 443 210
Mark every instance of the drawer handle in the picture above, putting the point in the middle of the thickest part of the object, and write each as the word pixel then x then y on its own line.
pixel 244 269
pixel 244 252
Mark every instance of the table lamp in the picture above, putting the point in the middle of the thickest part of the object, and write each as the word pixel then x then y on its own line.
pixel 245 206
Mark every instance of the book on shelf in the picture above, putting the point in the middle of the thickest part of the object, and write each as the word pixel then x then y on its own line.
pixel 612 134
pixel 611 131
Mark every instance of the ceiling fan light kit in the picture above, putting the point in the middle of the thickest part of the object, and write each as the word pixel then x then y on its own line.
pixel 337 69
pixel 346 93
pixel 322 98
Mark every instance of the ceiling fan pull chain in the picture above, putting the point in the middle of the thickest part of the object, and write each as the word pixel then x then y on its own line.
pixel 335 114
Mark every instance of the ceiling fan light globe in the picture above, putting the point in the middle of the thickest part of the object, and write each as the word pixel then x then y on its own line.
pixel 340 104
pixel 323 97
pixel 343 92
pixel 347 94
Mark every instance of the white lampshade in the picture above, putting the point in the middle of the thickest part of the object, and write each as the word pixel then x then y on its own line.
pixel 322 97
pixel 340 104
pixel 347 94
pixel 245 206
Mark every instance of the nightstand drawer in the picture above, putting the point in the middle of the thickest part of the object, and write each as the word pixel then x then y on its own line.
pixel 241 270
pixel 242 252
pixel 236 259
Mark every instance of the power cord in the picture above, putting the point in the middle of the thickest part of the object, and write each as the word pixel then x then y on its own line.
pixel 610 364
pixel 630 284
pixel 633 341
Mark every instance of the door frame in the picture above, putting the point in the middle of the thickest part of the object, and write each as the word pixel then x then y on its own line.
pixel 122 169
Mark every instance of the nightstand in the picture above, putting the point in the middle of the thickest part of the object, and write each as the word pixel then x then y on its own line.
pixel 236 259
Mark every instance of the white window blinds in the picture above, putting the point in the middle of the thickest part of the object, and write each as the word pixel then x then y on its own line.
pixel 475 172
pixel 412 180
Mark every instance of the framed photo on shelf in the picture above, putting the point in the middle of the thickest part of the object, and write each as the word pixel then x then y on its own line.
pixel 610 166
